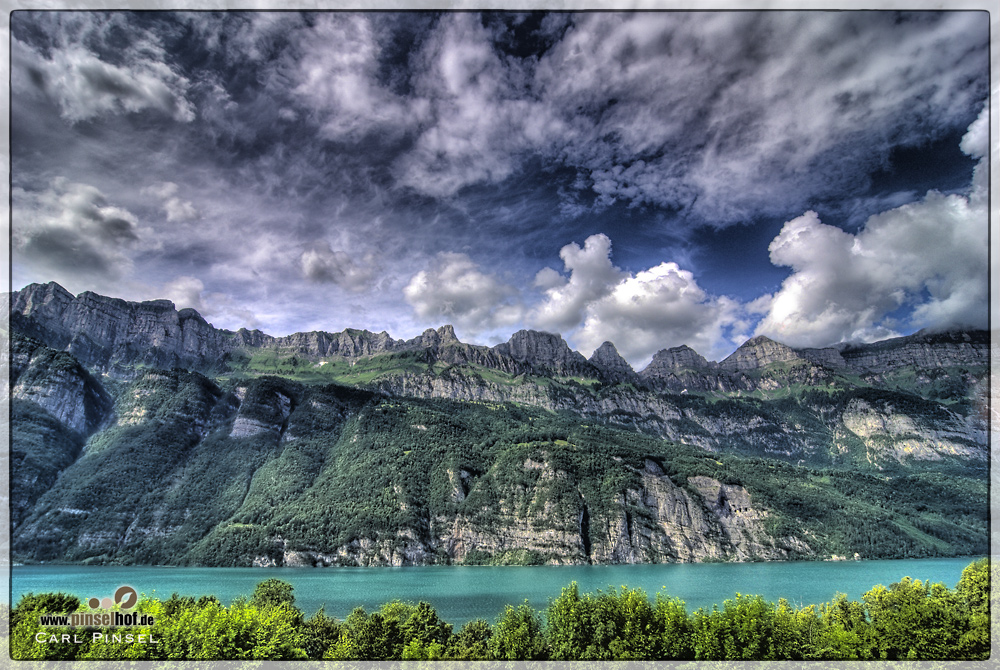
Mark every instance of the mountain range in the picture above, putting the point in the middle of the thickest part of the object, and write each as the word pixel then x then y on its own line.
pixel 143 434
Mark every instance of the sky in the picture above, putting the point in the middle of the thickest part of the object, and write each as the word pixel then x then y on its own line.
pixel 650 179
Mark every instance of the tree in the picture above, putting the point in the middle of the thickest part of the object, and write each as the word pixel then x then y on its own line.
pixel 272 593
pixel 518 635
pixel 471 643
pixel 973 592
pixel 424 626
pixel 675 628
pixel 319 633
pixel 914 621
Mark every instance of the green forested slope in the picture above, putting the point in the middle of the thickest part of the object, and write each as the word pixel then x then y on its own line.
pixel 296 473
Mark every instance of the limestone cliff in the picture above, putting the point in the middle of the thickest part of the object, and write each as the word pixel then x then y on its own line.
pixel 550 520
pixel 57 383
pixel 547 353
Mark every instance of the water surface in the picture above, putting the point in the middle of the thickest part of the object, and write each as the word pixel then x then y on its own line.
pixel 463 593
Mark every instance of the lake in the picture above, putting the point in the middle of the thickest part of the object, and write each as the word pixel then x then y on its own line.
pixel 463 593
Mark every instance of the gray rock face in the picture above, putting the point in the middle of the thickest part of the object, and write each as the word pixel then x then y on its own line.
pixel 758 352
pixel 682 369
pixel 656 521
pixel 102 332
pixel 546 351
pixel 829 357
pixel 613 367
pixel 58 384
pixel 263 410
pixel 923 350
pixel 676 358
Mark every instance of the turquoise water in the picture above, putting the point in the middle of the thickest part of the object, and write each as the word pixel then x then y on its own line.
pixel 461 594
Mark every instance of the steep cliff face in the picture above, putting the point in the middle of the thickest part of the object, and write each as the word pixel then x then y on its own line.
pixel 547 353
pixel 57 383
pixel 41 448
pixel 821 431
pixel 758 352
pixel 892 433
pixel 544 515
pixel 112 335
pixel 264 409
pixel 682 369
pixel 921 350
pixel 106 332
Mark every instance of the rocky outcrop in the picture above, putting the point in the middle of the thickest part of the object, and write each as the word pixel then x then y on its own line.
pixel 676 358
pixel 613 368
pixel 924 350
pixel 828 357
pixel 57 383
pixel 894 434
pixel 546 352
pixel 106 333
pixel 682 370
pixel 265 408
pixel 551 521
pixel 758 352
pixel 668 524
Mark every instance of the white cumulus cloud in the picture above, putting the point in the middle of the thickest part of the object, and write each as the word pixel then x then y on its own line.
pixel 640 313
pixel 592 277
pixel 454 290
pixel 929 256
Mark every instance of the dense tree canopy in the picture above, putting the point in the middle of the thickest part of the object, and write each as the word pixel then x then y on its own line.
pixel 908 620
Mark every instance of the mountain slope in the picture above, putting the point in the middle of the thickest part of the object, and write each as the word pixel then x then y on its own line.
pixel 326 475
pixel 145 435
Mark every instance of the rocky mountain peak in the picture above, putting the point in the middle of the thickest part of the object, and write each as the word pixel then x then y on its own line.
pixel 536 346
pixel 47 300
pixel 447 334
pixel 546 350
pixel 757 352
pixel 609 361
pixel 607 356
pixel 190 313
pixel 429 338
pixel 677 358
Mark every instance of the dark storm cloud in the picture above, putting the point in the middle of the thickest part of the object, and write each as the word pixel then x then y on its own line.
pixel 345 166
pixel 84 85
pixel 321 263
pixel 70 229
